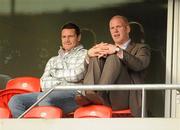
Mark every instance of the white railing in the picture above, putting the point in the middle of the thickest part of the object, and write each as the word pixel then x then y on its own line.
pixel 98 124
pixel 121 87
pixel 142 87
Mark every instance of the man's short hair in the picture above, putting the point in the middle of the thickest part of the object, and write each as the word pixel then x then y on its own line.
pixel 121 17
pixel 71 26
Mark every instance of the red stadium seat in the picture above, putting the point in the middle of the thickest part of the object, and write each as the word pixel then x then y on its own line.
pixel 30 84
pixel 6 94
pixel 93 111
pixel 100 111
pixel 122 113
pixel 18 85
pixel 4 112
pixel 44 112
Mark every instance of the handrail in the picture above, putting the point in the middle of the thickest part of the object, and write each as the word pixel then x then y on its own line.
pixel 142 87
pixel 120 87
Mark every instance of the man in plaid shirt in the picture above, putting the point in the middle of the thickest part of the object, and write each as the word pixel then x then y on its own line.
pixel 67 68
pixel 64 69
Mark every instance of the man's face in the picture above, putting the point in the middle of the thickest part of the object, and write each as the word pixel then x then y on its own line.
pixel 119 30
pixel 69 39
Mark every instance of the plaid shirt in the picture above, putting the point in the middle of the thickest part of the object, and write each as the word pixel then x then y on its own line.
pixel 65 69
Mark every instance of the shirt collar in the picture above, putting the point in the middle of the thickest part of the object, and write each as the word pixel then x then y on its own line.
pixel 61 51
pixel 124 45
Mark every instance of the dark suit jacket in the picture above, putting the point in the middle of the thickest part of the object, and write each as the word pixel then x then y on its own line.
pixel 136 58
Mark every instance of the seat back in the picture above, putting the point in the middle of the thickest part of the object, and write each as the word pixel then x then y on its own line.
pixel 44 112
pixel 122 113
pixel 93 111
pixel 31 84
pixel 4 112
pixel 6 94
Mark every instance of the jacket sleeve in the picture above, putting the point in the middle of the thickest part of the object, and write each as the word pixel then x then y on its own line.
pixel 138 59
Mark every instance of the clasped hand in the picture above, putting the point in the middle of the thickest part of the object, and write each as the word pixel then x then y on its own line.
pixel 102 50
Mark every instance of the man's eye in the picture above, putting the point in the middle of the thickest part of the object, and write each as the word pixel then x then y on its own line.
pixel 119 26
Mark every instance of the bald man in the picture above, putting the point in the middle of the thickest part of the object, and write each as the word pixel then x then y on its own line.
pixel 120 62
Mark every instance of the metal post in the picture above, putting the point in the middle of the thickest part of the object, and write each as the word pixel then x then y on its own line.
pixel 38 101
pixel 143 103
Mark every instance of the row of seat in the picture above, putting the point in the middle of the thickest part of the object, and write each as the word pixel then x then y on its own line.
pixel 18 86
pixel 32 84
pixel 92 111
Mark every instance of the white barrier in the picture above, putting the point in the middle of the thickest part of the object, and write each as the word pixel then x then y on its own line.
pixel 98 124
pixel 121 87
pixel 91 124
pixel 142 87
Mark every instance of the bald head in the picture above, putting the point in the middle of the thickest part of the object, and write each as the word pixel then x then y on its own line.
pixel 122 18
pixel 119 29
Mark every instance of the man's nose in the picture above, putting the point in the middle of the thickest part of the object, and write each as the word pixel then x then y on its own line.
pixel 67 39
pixel 115 30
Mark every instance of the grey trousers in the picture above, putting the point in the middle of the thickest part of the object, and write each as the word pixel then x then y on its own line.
pixel 109 70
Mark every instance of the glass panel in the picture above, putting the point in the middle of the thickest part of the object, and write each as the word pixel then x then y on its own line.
pixel 29 32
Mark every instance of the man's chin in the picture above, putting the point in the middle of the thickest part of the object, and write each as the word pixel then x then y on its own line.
pixel 67 48
pixel 117 40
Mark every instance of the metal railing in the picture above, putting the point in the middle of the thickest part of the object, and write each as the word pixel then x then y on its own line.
pixel 142 87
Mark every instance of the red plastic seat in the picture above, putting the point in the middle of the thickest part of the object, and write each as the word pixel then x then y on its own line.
pixel 18 85
pixel 4 112
pixel 31 84
pixel 6 94
pixel 93 111
pixel 44 112
pixel 122 113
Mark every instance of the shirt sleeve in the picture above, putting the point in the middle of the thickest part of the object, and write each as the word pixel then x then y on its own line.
pixel 47 80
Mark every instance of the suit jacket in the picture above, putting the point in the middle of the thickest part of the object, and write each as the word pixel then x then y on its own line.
pixel 136 58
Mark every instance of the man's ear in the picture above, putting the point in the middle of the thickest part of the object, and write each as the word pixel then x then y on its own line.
pixel 79 38
pixel 128 29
